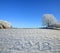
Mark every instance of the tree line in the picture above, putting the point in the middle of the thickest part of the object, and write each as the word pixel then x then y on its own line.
pixel 48 20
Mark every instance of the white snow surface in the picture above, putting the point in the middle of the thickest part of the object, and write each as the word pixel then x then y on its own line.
pixel 29 40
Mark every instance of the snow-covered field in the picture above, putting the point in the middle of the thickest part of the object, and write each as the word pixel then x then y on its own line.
pixel 29 41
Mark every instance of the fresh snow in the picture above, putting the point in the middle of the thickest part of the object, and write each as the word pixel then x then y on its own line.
pixel 29 41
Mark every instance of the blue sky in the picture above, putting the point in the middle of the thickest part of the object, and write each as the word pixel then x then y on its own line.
pixel 28 13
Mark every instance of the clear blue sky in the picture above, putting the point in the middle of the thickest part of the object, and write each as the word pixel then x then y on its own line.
pixel 28 13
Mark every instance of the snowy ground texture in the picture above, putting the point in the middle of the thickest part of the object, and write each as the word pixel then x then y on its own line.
pixel 29 41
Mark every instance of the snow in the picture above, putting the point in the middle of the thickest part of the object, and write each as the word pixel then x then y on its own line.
pixel 29 41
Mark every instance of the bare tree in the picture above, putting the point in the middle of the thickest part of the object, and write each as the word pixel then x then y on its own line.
pixel 49 20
